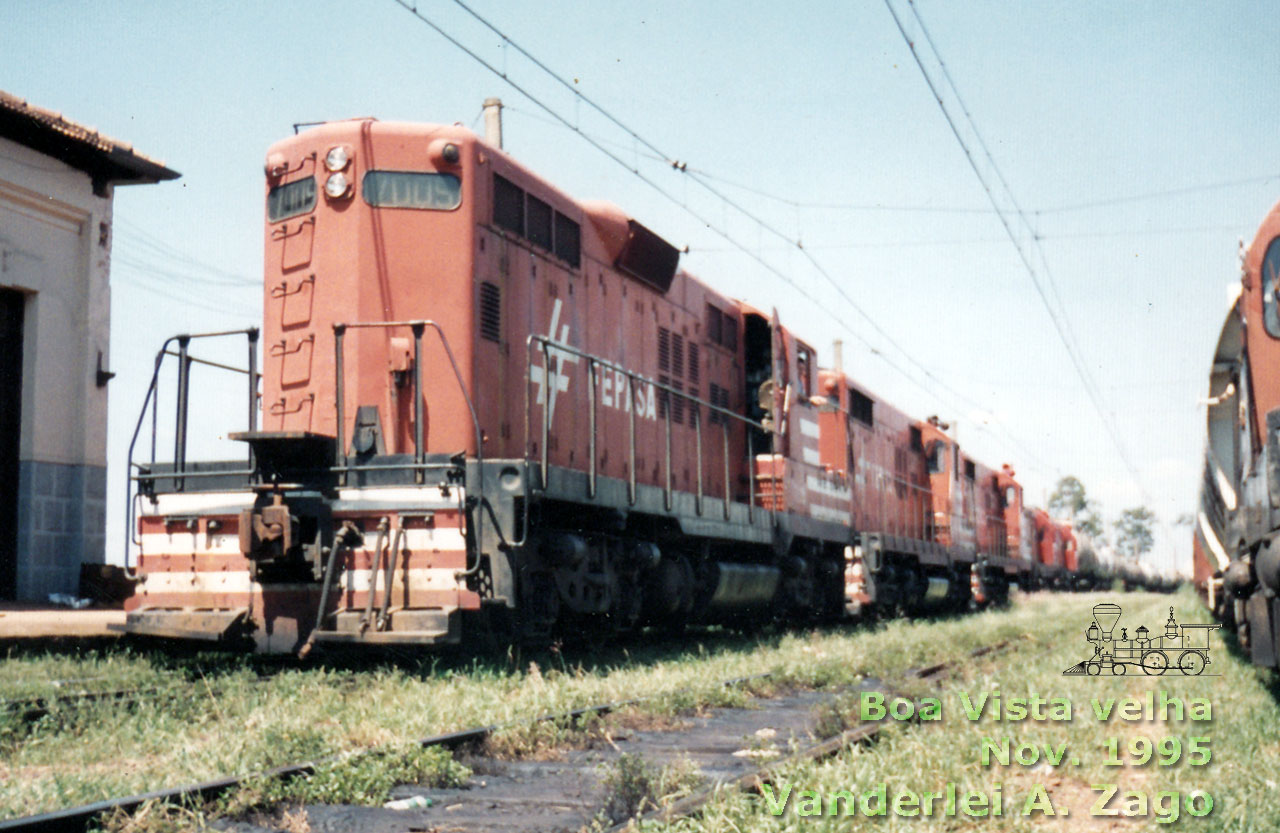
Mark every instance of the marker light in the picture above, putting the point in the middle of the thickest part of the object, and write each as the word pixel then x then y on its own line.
pixel 337 158
pixel 337 186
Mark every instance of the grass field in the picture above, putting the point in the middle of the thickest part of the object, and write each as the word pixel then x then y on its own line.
pixel 218 719
pixel 1241 776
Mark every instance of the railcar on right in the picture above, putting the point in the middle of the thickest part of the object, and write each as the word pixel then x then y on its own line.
pixel 1238 520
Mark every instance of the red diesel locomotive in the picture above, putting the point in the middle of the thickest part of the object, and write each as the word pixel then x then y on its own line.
pixel 487 407
pixel 1235 554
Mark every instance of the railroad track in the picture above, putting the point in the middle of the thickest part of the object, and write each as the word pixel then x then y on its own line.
pixel 755 780
pixel 84 816
pixel 81 817
pixel 77 693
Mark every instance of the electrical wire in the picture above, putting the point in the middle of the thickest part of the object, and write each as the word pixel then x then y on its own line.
pixel 706 221
pixel 924 209
pixel 135 235
pixel 972 241
pixel 1170 192
pixel 1089 385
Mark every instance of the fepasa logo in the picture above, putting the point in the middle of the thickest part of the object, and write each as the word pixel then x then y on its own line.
pixel 614 385
pixel 555 380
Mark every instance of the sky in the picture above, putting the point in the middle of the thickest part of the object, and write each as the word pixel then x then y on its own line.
pixel 1137 141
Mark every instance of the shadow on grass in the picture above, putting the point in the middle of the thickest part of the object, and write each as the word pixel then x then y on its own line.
pixel 1268 677
pixel 197 662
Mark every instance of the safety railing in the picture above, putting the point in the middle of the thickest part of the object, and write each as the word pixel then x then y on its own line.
pixel 150 403
pixel 342 463
pixel 996 543
pixel 550 349
pixel 904 508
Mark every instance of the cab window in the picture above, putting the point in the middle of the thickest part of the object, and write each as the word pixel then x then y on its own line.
pixel 291 199
pixel 411 189
pixel 1270 285
pixel 804 372
pixel 937 458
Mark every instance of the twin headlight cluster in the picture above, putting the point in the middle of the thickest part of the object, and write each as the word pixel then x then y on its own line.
pixel 338 185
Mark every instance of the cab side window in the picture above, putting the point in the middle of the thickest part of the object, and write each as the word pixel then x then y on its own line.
pixel 1270 279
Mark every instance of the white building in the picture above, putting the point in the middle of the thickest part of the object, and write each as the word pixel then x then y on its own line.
pixel 56 181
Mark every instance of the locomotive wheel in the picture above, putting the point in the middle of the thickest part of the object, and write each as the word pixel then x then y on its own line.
pixel 1191 663
pixel 1093 669
pixel 1155 663
pixel 1119 669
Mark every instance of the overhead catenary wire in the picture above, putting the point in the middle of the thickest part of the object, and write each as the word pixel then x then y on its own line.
pixel 682 167
pixel 1059 324
pixel 1003 241
pixel 792 202
pixel 1059 320
pixel 1201 188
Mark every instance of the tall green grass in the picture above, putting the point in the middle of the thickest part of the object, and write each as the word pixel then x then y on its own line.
pixel 221 722
pixel 1244 732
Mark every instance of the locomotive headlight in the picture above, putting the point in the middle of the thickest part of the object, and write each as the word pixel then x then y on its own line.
pixel 337 186
pixel 337 158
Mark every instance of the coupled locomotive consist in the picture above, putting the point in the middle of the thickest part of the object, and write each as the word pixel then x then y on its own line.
pixel 1236 557
pixel 487 408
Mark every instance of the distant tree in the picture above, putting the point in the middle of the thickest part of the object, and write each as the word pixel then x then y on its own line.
pixel 1185 519
pixel 1090 524
pixel 1070 500
pixel 1133 531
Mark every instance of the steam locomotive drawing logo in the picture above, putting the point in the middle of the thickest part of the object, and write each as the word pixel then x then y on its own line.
pixel 1180 649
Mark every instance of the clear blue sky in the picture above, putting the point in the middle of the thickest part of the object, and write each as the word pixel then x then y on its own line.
pixel 821 105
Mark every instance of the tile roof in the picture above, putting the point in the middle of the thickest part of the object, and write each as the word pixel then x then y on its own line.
pixel 106 160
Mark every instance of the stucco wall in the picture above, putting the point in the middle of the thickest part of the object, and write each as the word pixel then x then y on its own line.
pixel 55 248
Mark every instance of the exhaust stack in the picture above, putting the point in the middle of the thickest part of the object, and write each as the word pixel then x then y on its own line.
pixel 493 122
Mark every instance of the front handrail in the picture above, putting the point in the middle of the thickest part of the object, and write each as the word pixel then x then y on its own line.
pixel 418 327
pixel 151 400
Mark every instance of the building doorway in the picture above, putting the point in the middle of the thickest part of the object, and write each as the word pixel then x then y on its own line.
pixel 12 305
